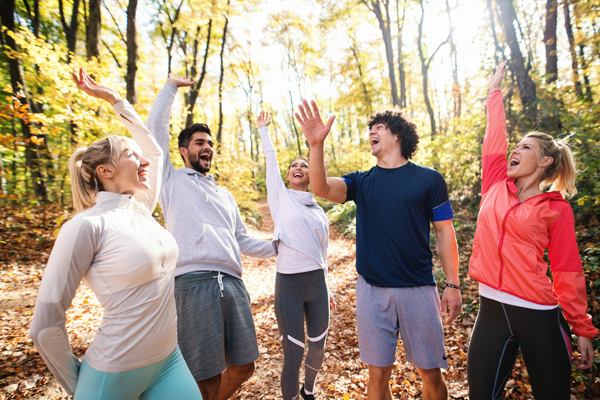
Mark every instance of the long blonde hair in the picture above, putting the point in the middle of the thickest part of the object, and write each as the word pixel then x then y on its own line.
pixel 561 174
pixel 85 183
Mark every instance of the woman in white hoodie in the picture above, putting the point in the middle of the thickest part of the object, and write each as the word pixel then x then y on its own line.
pixel 114 244
pixel 300 239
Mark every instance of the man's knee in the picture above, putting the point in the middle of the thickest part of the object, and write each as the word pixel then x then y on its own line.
pixel 432 376
pixel 380 375
pixel 244 371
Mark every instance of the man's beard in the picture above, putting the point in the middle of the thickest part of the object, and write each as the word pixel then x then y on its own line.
pixel 197 166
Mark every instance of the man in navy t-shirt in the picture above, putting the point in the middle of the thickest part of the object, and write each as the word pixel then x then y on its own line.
pixel 396 293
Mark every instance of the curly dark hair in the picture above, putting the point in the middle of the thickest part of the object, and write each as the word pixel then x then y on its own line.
pixel 400 125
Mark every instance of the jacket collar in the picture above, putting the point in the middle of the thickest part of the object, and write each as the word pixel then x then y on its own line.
pixel 306 198
pixel 552 195
pixel 191 171
pixel 113 200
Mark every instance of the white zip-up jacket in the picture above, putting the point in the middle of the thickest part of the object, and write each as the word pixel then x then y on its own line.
pixel 128 260
pixel 203 217
pixel 300 223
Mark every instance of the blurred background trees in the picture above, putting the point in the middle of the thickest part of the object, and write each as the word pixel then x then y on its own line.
pixel 352 56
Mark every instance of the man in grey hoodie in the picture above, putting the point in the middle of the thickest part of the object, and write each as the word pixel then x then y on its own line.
pixel 215 328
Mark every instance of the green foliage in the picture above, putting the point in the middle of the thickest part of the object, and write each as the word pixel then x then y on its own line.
pixel 343 218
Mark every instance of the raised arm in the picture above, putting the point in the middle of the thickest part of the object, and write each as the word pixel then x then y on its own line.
pixel 160 116
pixel 494 163
pixel 69 261
pixel 140 134
pixel 315 132
pixel 274 182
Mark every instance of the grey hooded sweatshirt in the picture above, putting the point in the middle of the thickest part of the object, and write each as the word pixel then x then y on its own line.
pixel 203 217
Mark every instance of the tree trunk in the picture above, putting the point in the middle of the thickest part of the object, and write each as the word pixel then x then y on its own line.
pixel 70 30
pixel 586 79
pixel 385 26
pixel 94 28
pixel 550 41
pixel 456 95
pixel 401 72
pixel 192 95
pixel 20 90
pixel 132 52
pixel 527 89
pixel 574 64
pixel 221 75
pixel 425 64
pixel 355 53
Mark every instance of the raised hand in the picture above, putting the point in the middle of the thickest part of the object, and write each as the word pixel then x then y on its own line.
pixel 264 119
pixel 88 85
pixel 314 130
pixel 180 80
pixel 496 79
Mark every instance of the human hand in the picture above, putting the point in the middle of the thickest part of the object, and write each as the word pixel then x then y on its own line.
pixel 451 300
pixel 264 119
pixel 180 80
pixel 332 305
pixel 88 85
pixel 496 79
pixel 313 128
pixel 585 358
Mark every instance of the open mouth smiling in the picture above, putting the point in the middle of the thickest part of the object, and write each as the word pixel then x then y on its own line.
pixel 374 141
pixel 514 162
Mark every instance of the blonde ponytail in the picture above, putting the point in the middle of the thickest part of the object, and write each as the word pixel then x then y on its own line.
pixel 85 183
pixel 561 174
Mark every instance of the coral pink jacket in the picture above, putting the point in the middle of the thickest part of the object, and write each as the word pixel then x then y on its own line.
pixel 512 236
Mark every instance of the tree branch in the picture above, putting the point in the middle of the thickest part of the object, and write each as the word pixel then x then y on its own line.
pixel 116 24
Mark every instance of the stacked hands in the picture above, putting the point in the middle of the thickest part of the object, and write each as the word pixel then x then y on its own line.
pixel 396 293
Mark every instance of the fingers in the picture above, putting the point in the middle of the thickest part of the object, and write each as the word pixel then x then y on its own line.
pixel 302 107
pixel 299 119
pixel 315 109
pixel 307 109
pixel 329 122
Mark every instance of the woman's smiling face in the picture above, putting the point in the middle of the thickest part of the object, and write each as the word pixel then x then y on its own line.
pixel 524 159
pixel 132 171
pixel 297 174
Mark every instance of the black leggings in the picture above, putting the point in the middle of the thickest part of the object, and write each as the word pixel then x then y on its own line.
pixel 544 339
pixel 299 297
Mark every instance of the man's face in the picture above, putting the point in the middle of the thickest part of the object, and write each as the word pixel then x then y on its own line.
pixel 198 155
pixel 381 139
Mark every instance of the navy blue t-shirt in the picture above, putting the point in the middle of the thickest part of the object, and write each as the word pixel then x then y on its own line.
pixel 394 208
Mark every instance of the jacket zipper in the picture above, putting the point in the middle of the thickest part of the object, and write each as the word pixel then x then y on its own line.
pixel 501 242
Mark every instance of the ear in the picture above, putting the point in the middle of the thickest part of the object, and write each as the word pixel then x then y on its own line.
pixel 546 162
pixel 106 171
pixel 183 151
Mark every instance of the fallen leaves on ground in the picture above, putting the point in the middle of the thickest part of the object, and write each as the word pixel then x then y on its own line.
pixel 27 238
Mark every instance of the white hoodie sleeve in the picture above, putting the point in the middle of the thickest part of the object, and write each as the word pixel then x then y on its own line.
pixel 150 150
pixel 71 257
pixel 275 184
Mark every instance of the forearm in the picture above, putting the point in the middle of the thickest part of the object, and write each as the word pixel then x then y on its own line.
pixel 160 115
pixel 448 253
pixel 332 189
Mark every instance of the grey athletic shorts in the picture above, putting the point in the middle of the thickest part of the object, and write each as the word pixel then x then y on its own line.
pixel 214 332
pixel 413 311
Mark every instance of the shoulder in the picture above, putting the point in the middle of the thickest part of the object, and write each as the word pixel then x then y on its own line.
pixel 559 204
pixel 357 175
pixel 90 222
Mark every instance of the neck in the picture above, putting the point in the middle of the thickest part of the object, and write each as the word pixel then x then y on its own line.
pixel 393 160
pixel 528 186
pixel 300 188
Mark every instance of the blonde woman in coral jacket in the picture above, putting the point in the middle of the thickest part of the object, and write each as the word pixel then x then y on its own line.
pixel 517 222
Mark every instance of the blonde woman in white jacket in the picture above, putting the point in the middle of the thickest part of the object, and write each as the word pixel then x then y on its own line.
pixel 114 244
pixel 300 239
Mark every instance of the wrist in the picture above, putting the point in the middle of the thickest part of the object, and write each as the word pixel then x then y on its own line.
pixel 452 286
pixel 114 99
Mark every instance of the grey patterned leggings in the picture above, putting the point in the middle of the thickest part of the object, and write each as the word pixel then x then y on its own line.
pixel 298 297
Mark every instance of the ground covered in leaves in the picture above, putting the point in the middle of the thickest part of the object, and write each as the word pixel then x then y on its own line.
pixel 26 239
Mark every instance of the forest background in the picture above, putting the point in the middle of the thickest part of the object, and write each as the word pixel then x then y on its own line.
pixel 432 58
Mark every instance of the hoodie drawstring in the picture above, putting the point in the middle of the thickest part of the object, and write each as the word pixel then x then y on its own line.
pixel 220 281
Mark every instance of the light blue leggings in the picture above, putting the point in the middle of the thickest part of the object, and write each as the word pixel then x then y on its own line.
pixel 167 379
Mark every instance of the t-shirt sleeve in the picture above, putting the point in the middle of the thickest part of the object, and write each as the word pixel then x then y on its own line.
pixel 439 203
pixel 350 180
